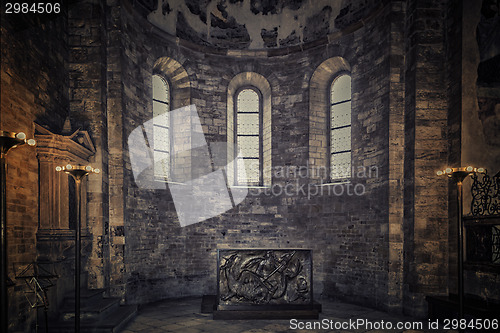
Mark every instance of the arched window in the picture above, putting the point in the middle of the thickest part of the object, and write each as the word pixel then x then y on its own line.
pixel 248 137
pixel 161 127
pixel 340 127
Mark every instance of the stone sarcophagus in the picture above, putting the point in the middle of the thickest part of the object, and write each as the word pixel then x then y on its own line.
pixel 264 279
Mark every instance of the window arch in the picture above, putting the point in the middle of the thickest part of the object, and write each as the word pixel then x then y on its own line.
pixel 248 137
pixel 175 81
pixel 249 122
pixel 161 127
pixel 330 121
pixel 340 127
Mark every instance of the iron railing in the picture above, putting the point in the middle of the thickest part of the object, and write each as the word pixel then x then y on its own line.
pixel 483 225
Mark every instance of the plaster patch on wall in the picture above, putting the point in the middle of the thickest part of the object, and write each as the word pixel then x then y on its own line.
pixel 287 20
pixel 167 20
pixel 488 69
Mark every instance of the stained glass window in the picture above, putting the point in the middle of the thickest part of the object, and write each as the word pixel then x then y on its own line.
pixel 248 138
pixel 161 127
pixel 340 128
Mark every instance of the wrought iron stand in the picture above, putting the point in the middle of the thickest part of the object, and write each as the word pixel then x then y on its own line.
pixel 78 172
pixel 458 175
pixel 38 280
pixel 8 140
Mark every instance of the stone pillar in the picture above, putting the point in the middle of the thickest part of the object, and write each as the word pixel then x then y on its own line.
pixel 87 39
pixel 114 126
pixel 396 156
pixel 426 113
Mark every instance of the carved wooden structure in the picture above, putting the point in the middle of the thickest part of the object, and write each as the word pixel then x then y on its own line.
pixel 56 232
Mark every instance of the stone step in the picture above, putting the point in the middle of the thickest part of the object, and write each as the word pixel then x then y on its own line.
pixel 90 294
pixel 265 314
pixel 86 296
pixel 95 309
pixel 114 322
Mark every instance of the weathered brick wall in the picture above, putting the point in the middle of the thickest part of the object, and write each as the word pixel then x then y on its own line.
pixel 426 220
pixel 396 155
pixel 358 225
pixel 348 234
pixel 480 144
pixel 34 87
pixel 479 123
pixel 454 72
pixel 87 65
pixel 395 237
pixel 409 157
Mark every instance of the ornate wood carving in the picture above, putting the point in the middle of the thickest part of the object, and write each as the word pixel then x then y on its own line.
pixel 54 195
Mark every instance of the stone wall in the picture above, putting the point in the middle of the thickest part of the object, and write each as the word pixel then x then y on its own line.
pixel 87 70
pixel 454 58
pixel 396 155
pixel 34 87
pixel 480 122
pixel 425 216
pixel 405 123
pixel 347 233
pixel 480 142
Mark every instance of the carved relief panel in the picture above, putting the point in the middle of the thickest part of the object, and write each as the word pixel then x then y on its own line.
pixel 264 277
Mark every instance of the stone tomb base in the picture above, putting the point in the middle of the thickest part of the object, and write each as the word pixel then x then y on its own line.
pixel 208 306
pixel 263 284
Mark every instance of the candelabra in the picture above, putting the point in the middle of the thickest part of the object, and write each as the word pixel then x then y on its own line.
pixel 458 175
pixel 78 172
pixel 8 140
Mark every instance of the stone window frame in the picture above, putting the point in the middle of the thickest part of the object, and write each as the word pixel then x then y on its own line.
pixel 260 135
pixel 319 114
pixel 261 84
pixel 330 130
pixel 180 96
pixel 168 86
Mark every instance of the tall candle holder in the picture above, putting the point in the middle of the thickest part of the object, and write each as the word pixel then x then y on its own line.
pixel 78 172
pixel 458 175
pixel 8 141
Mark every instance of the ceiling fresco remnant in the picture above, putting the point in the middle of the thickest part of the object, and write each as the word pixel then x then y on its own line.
pixel 256 24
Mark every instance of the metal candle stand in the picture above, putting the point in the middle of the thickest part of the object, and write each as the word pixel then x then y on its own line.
pixel 458 175
pixel 78 172
pixel 8 140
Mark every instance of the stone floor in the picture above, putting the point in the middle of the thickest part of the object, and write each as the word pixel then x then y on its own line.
pixel 183 316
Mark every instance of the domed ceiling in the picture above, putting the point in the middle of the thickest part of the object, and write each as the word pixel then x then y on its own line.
pixel 255 24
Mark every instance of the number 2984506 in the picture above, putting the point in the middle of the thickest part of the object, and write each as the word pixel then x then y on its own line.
pixel 32 8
